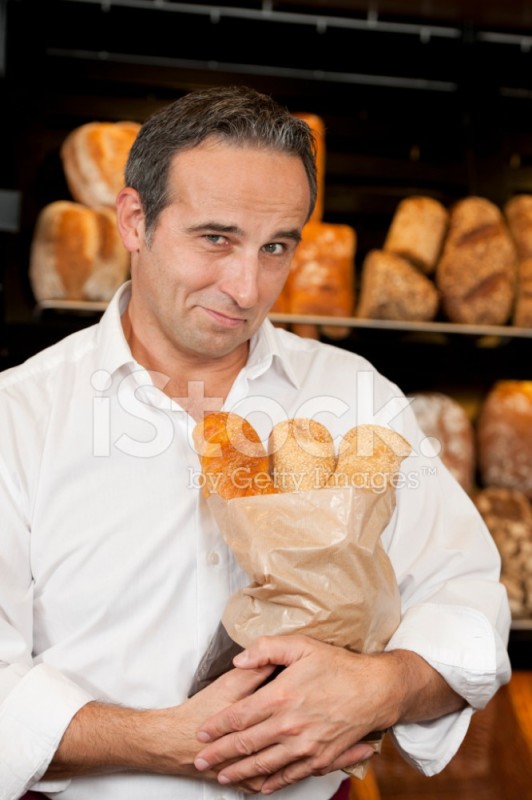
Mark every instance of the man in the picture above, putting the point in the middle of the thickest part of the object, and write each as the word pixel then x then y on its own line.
pixel 114 576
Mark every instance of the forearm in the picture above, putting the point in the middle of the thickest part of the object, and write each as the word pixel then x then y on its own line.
pixel 418 693
pixel 106 739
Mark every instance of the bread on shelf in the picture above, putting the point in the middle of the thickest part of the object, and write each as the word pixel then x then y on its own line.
pixel 476 274
pixel 508 516
pixel 518 211
pixel 94 157
pixel 504 436
pixel 317 126
pixel 76 253
pixel 445 421
pixel 392 288
pixel 321 280
pixel 417 231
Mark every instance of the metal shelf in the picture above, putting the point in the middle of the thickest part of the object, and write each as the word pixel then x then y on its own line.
pixel 453 328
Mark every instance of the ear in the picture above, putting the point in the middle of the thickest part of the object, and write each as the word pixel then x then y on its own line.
pixel 130 219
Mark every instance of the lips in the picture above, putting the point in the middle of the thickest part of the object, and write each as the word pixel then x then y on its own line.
pixel 224 319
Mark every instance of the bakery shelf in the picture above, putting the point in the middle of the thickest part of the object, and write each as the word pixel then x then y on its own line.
pixel 522 625
pixel 477 331
pixel 74 306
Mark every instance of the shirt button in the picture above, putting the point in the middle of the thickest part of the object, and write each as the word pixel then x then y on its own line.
pixel 213 558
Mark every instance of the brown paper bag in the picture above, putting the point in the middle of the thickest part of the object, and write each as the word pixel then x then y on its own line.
pixel 316 566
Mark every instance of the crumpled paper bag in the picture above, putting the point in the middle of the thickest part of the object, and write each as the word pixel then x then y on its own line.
pixel 316 566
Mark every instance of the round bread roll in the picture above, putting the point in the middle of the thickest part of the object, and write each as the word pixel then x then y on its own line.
pixel 369 457
pixel 444 419
pixel 504 436
pixel 302 455
pixel 233 459
pixel 417 231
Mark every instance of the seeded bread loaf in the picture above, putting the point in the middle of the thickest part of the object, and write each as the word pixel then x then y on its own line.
pixel 447 424
pixel 504 436
pixel 391 288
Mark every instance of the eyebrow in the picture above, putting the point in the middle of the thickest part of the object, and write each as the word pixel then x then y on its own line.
pixel 217 227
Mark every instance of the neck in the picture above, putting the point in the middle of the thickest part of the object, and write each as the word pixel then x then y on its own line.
pixel 199 385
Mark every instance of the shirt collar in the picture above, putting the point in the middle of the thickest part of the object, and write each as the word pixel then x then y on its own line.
pixel 266 352
pixel 115 349
pixel 266 348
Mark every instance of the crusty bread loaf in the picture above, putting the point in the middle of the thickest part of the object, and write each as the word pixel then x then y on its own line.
pixel 504 436
pixel 476 274
pixel 94 157
pixel 523 302
pixel 417 231
pixel 76 253
pixel 369 457
pixel 302 455
pixel 391 288
pixel 443 419
pixel 508 516
pixel 321 279
pixel 317 126
pixel 518 212
pixel 233 459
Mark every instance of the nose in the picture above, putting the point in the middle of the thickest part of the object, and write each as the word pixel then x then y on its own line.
pixel 240 280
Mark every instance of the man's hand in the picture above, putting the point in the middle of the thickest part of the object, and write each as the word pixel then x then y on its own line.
pixel 308 721
pixel 311 718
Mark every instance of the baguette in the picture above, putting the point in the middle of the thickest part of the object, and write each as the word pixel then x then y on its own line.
pixel 233 459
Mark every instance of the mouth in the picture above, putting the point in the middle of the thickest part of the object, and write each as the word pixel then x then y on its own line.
pixel 224 319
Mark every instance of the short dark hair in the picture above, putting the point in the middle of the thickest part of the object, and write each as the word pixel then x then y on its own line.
pixel 236 113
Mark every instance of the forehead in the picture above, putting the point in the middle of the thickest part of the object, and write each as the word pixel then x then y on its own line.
pixel 225 172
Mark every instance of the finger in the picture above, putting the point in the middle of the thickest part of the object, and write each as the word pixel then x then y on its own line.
pixel 279 650
pixel 304 768
pixel 241 683
pixel 240 715
pixel 236 748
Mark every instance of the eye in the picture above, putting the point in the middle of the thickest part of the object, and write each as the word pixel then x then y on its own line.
pixel 215 238
pixel 275 248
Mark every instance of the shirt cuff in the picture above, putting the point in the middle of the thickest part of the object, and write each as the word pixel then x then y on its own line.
pixel 462 646
pixel 33 719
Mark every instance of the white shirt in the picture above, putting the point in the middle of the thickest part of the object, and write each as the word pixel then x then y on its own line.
pixel 113 576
